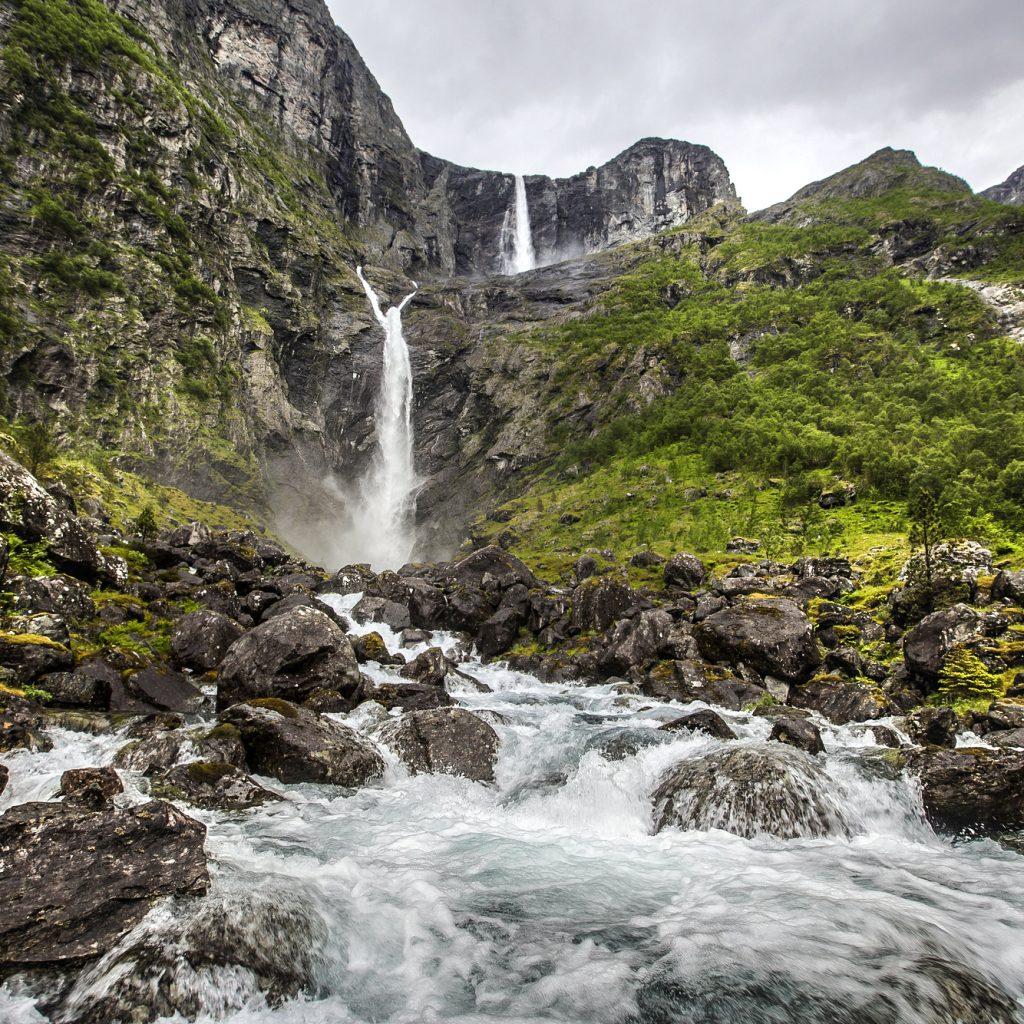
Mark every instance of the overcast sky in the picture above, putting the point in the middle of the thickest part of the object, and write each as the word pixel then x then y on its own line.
pixel 786 91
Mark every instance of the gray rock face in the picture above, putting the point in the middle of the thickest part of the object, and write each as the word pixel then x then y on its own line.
pixel 296 745
pixel 290 656
pixel 971 787
pixel 201 639
pixel 750 791
pixel 1009 192
pixel 73 880
pixel 447 740
pixel 771 636
pixel 654 185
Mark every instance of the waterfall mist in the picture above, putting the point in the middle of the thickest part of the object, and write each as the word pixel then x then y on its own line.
pixel 517 249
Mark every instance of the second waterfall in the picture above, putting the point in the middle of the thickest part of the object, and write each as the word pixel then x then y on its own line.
pixel 517 252
pixel 382 531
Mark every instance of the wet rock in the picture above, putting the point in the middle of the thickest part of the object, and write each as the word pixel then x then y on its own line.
pixel 1001 714
pixel 151 753
pixel 201 639
pixel 798 732
pixel 213 785
pixel 970 787
pixel 702 721
pixel 885 737
pixel 428 605
pixel 638 641
pixel 75 690
pixel 1006 738
pixel 412 637
pixel 289 656
pixel 300 599
pixel 295 745
pixel 772 636
pixel 625 741
pixel 21 725
pixel 684 571
pixel 408 696
pixel 688 680
pixel 431 667
pixel 175 964
pixel 380 609
pixel 449 741
pixel 751 790
pixel 499 632
pixel 74 880
pixel 927 645
pixel 4 776
pixel 935 726
pixel 222 743
pixel 327 702
pixel 491 563
pixel 840 700
pixel 60 595
pixel 371 647
pixel 165 690
pixel 600 601
pixel 30 655
pixel 93 788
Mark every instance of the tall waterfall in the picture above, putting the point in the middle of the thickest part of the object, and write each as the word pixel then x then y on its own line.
pixel 383 531
pixel 517 251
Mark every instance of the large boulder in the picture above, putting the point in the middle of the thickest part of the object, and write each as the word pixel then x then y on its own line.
pixel 31 513
pixel 927 645
pixel 94 788
pixel 637 642
pixel 599 601
pixel 933 726
pixel 840 700
pixel 704 720
pixel 211 784
pixel 488 564
pixel 60 595
pixel 771 636
pixel 955 569
pixel 797 732
pixel 685 571
pixel 201 639
pixel 751 790
pixel 164 690
pixel 970 787
pixel 30 655
pixel 499 632
pixel 383 609
pixel 446 740
pixel 1009 586
pixel 76 690
pixel 290 656
pixel 74 880
pixel 296 745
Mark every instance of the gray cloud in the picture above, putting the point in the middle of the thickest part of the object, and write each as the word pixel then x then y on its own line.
pixel 786 91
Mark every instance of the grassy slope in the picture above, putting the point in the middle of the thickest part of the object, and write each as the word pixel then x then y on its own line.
pixel 853 370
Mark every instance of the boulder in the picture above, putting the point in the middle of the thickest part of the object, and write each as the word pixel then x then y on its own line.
pixel 599 601
pixel 165 690
pixel 840 700
pixel 688 680
pixel 29 512
pixel 1006 738
pixel 21 724
pixel 382 609
pixel 74 880
pixel 430 667
pixel 772 636
pixel 927 645
pixel 201 639
pixel 371 647
pixel 499 632
pixel 637 642
pixel 75 690
pixel 94 788
pixel 970 787
pixel 299 599
pixel 289 656
pixel 930 726
pixel 751 790
pixel 294 744
pixel 1001 714
pixel 214 785
pixel 30 655
pixel 4 776
pixel 491 563
pixel 702 721
pixel 60 595
pixel 956 567
pixel 1009 586
pixel 222 743
pixel 450 741
pixel 408 696
pixel 684 571
pixel 798 732
pixel 625 741
pixel 646 559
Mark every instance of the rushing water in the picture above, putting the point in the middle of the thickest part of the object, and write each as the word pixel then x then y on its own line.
pixel 546 897
pixel 516 243
pixel 382 528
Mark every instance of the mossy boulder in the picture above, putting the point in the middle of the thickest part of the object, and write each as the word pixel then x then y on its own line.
pixel 211 784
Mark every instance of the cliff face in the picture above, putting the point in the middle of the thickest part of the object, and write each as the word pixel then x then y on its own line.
pixel 1010 192
pixel 654 185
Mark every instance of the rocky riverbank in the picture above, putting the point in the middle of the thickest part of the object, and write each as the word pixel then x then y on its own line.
pixel 201 659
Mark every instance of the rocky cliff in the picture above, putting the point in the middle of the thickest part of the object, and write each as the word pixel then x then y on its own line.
pixel 1010 192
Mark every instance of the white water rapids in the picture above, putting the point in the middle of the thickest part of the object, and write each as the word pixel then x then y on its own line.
pixel 546 897
pixel 382 529
pixel 516 243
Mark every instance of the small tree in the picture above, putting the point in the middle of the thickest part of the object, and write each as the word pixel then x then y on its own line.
pixel 936 512
pixel 38 446
pixel 145 523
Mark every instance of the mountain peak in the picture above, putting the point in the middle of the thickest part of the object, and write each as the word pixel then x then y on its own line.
pixel 1010 192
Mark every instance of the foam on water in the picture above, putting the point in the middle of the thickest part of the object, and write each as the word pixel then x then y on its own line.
pixel 547 896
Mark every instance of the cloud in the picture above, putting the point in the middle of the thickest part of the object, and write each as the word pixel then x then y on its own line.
pixel 786 92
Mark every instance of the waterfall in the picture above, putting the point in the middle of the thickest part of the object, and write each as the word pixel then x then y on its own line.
pixel 382 530
pixel 516 242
